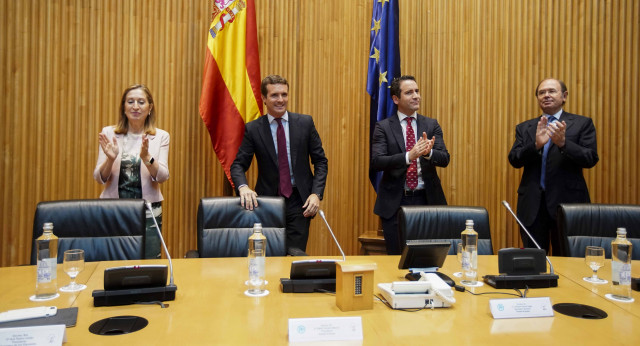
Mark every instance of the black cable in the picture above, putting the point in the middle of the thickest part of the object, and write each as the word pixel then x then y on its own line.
pixel 483 293
pixel 385 302
pixel 506 293
pixel 162 305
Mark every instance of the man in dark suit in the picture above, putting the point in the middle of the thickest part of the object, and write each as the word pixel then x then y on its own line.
pixel 553 149
pixel 283 143
pixel 406 147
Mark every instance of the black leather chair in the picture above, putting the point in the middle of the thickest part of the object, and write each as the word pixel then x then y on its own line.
pixel 224 226
pixel 106 229
pixel 582 225
pixel 444 223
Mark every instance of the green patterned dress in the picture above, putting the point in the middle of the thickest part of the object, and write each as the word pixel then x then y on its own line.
pixel 130 186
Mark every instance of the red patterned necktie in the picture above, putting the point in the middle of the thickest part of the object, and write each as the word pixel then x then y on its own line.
pixel 283 161
pixel 412 172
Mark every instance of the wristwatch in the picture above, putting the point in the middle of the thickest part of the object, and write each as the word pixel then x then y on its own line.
pixel 150 162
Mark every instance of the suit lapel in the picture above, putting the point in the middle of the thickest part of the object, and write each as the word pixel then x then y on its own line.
pixel 293 137
pixel 396 129
pixel 267 139
pixel 533 127
pixel 568 119
pixel 422 127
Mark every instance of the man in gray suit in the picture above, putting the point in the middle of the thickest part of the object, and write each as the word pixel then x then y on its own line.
pixel 407 147
pixel 283 143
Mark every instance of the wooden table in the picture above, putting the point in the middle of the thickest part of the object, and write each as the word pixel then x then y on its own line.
pixel 17 284
pixel 575 269
pixel 211 308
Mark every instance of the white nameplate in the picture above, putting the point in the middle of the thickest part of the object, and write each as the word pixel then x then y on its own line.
pixel 40 335
pixel 325 329
pixel 521 307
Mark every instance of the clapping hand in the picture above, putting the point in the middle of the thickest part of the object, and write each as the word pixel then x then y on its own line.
pixel 110 148
pixel 144 149
pixel 422 147
pixel 556 131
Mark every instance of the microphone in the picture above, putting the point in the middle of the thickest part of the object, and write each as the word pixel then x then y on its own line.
pixel 522 268
pixel 334 237
pixel 164 246
pixel 138 284
pixel 506 205
pixel 317 275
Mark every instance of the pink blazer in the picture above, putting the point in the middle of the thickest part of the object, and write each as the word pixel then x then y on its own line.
pixel 158 148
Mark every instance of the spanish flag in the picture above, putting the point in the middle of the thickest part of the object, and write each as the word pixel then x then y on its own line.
pixel 231 82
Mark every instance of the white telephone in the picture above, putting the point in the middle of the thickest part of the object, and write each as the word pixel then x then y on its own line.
pixel 28 313
pixel 429 292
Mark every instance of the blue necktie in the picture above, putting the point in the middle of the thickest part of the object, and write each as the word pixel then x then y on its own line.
pixel 545 152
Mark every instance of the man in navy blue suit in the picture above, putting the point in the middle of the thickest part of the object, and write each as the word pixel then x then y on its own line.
pixel 283 144
pixel 553 149
pixel 407 147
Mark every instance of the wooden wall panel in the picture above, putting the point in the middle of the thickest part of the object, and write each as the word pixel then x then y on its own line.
pixel 64 63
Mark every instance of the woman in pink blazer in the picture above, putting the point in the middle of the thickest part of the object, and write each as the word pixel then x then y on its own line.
pixel 133 158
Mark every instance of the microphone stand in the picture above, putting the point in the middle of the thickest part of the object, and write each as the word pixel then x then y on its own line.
pixel 155 222
pixel 506 205
pixel 319 275
pixel 140 295
pixel 334 237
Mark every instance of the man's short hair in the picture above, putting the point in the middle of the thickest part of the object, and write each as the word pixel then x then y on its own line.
pixel 272 79
pixel 563 87
pixel 395 84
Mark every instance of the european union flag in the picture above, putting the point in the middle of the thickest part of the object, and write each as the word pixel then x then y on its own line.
pixel 384 66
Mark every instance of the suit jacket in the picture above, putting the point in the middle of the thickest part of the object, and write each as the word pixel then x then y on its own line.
pixel 305 144
pixel 388 155
pixel 158 148
pixel 564 180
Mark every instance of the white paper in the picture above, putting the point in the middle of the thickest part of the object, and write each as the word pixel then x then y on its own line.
pixel 521 307
pixel 39 335
pixel 325 329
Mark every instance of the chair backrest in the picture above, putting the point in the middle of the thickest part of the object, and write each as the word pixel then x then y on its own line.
pixel 106 229
pixel 585 224
pixel 444 222
pixel 224 226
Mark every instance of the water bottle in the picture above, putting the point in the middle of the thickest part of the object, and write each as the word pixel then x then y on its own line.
pixel 469 254
pixel 621 250
pixel 257 253
pixel 47 252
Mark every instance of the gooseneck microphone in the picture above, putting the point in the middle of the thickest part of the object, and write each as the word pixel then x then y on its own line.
pixel 164 246
pixel 334 237
pixel 313 275
pixel 138 284
pixel 506 205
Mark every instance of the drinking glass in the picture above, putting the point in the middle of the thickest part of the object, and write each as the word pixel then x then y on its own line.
pixel 594 257
pixel 73 264
pixel 459 255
